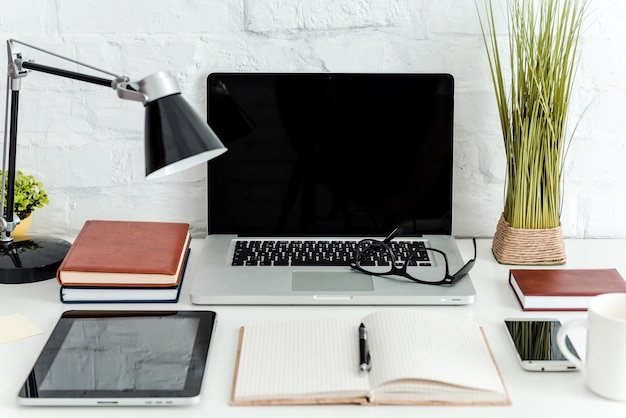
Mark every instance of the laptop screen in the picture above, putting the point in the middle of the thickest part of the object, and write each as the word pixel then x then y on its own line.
pixel 324 154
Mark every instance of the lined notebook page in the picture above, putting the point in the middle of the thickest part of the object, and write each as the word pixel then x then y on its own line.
pixel 300 359
pixel 423 346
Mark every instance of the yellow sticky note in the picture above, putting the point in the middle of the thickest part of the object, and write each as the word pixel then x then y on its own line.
pixel 15 327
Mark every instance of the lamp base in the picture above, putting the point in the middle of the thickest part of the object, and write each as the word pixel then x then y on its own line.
pixel 31 259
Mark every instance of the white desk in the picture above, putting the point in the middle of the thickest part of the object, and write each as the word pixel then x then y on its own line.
pixel 532 393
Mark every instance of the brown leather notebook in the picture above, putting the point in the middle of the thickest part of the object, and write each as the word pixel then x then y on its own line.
pixel 562 289
pixel 126 253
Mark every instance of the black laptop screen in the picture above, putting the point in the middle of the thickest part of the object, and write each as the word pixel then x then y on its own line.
pixel 331 154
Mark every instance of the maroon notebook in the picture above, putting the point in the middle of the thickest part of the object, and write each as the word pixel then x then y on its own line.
pixel 562 289
pixel 126 253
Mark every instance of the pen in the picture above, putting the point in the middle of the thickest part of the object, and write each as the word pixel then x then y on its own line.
pixel 364 352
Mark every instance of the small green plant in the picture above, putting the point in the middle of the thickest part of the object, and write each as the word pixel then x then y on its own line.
pixel 29 195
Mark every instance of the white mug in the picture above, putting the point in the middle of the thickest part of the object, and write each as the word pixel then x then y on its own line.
pixel 605 363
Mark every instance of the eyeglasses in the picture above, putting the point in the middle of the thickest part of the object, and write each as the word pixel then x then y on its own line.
pixel 384 258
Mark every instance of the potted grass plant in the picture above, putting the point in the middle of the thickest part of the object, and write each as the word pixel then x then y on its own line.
pixel 29 195
pixel 533 96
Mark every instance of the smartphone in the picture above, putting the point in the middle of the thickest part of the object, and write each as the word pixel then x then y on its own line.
pixel 535 343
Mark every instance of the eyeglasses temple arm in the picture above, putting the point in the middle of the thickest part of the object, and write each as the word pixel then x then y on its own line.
pixel 467 267
pixel 391 236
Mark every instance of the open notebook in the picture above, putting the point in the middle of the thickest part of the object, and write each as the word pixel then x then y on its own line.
pixel 417 357
pixel 317 161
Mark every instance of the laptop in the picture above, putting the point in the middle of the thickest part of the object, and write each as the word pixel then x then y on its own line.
pixel 327 159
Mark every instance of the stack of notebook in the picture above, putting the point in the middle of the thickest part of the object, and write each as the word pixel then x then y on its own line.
pixel 125 261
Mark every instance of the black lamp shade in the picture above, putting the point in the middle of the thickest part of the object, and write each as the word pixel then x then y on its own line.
pixel 176 138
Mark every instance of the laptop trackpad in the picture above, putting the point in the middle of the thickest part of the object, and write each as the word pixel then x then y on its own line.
pixel 332 281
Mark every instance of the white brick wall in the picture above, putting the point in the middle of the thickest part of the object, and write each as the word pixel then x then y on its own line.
pixel 86 145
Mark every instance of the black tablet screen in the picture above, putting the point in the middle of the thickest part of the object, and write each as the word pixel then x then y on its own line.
pixel 123 354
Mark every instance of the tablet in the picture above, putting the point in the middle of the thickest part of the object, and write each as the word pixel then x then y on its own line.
pixel 122 358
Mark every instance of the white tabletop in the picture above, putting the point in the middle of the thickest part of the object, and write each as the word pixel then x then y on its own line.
pixel 532 393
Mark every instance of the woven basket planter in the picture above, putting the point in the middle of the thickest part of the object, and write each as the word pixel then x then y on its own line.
pixel 528 246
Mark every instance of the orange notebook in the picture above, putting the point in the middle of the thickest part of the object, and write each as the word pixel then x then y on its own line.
pixel 126 253
pixel 562 289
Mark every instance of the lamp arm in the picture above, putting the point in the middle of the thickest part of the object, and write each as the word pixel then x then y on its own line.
pixel 5 153
pixel 9 220
pixel 13 52
pixel 126 89
pixel 29 65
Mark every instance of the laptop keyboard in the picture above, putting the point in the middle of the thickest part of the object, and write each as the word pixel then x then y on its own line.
pixel 321 253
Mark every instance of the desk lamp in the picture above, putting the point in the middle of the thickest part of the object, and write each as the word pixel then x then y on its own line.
pixel 176 138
